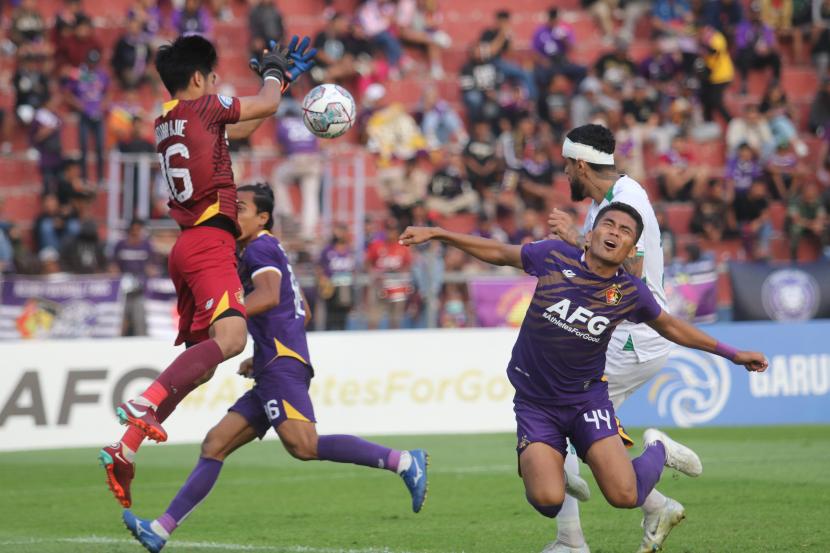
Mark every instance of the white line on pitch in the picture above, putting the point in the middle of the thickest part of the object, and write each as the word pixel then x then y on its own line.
pixel 102 540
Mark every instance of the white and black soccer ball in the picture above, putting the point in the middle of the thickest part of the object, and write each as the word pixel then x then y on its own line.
pixel 329 110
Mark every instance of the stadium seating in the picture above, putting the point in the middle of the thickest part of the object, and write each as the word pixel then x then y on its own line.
pixel 463 20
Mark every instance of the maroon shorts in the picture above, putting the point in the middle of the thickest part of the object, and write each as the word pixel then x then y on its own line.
pixel 202 266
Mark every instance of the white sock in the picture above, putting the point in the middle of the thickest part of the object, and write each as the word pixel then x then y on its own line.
pixel 141 400
pixel 129 454
pixel 568 529
pixel 405 462
pixel 654 502
pixel 159 529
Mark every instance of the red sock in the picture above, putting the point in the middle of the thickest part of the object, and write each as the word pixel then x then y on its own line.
pixel 188 367
pixel 155 394
pixel 132 438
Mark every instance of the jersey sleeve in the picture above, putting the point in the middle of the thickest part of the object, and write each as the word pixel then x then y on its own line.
pixel 534 255
pixel 641 204
pixel 647 308
pixel 261 256
pixel 217 109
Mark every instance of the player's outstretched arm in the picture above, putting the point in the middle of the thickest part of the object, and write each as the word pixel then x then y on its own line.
pixel 263 104
pixel 266 292
pixel 688 335
pixel 485 249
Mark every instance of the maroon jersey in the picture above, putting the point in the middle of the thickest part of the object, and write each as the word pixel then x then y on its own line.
pixel 195 162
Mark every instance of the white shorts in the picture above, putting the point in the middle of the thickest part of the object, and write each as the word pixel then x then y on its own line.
pixel 625 373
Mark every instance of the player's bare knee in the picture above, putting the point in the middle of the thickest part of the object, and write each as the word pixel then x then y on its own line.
pixel 545 497
pixel 231 334
pixel 546 503
pixel 623 497
pixel 235 344
pixel 212 447
pixel 301 447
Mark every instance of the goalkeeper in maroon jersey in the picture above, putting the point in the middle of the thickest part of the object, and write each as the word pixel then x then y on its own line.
pixel 192 136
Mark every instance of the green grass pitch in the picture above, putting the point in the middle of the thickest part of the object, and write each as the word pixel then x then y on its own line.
pixel 764 489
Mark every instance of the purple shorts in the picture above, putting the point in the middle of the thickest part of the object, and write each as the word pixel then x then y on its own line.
pixel 584 423
pixel 280 394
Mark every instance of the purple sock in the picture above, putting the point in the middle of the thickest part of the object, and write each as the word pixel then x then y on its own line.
pixel 194 491
pixel 342 448
pixel 648 467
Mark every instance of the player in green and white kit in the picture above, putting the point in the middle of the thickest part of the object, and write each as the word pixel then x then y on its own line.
pixel 636 352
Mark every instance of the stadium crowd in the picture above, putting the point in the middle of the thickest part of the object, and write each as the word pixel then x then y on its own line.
pixel 492 158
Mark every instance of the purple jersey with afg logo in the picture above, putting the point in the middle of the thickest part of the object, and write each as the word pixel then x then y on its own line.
pixel 279 331
pixel 559 356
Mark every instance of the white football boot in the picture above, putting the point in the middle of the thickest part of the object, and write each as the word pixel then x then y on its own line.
pixel 657 526
pixel 678 456
pixel 559 547
pixel 577 487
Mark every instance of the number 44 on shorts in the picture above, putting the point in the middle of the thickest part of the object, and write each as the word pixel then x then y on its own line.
pixel 598 415
pixel 272 409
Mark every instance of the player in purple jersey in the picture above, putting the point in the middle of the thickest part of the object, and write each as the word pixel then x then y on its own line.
pixel 558 360
pixel 282 371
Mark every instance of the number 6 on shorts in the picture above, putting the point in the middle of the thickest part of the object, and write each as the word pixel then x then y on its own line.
pixel 272 409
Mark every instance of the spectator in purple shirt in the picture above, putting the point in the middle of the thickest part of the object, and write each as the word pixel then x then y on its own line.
pixel 664 63
pixel 335 278
pixel 756 47
pixel 742 169
pixel 192 19
pixel 134 254
pixel 303 163
pixel 88 97
pixel 45 137
pixel 135 258
pixel 551 43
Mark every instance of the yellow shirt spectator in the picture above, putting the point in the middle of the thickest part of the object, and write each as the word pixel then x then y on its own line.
pixel 718 61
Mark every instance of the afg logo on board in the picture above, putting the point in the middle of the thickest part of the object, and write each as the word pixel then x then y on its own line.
pixel 693 387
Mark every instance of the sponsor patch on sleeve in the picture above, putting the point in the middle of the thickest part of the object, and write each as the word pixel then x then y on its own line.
pixel 226 101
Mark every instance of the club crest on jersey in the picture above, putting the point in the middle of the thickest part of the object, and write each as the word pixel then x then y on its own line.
pixel 226 101
pixel 613 295
pixel 209 304
pixel 240 296
pixel 568 273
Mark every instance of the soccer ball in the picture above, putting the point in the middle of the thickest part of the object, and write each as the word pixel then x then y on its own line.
pixel 328 110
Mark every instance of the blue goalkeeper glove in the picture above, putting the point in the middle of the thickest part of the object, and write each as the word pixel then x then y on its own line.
pixel 301 56
pixel 298 53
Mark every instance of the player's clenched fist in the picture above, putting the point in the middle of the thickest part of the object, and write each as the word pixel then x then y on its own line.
pixel 752 360
pixel 561 226
pixel 246 368
pixel 417 235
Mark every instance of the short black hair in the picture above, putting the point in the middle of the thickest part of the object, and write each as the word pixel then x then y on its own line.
pixel 597 137
pixel 177 62
pixel 503 14
pixel 263 200
pixel 625 208
pixel 553 13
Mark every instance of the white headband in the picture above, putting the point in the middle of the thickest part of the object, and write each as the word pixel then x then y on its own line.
pixel 575 150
